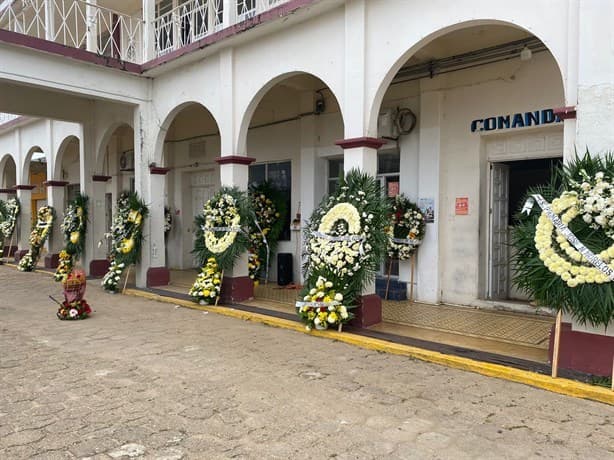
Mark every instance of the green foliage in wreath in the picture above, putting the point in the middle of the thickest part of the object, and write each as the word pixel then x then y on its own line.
pixel 356 212
pixel 127 235
pixel 9 210
pixel 229 209
pixel 269 209
pixel 546 266
pixel 405 228
pixel 74 227
pixel 38 236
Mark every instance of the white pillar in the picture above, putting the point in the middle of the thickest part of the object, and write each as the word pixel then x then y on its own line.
pixel 236 175
pixel 150 185
pixel 56 196
pixel 355 108
pixel 49 20
pixel 87 165
pixel 428 282
pixel 149 32
pixel 91 14
pixel 230 13
pixel 25 217
pixel 595 113
pixel 571 82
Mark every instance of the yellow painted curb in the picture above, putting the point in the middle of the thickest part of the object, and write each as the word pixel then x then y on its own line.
pixel 558 385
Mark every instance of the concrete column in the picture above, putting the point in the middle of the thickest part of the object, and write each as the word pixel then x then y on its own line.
pixel 571 82
pixel 150 184
pixel 149 33
pixel 354 102
pixel 595 114
pixel 49 20
pixel 24 221
pixel 87 165
pixel 56 197
pixel 98 264
pixel 91 39
pixel 230 12
pixel 237 286
pixel 313 180
pixel 428 263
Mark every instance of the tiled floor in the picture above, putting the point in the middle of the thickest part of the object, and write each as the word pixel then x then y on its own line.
pixel 511 334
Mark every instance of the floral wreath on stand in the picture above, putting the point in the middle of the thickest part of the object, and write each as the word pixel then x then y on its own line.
pixel 9 210
pixel 565 246
pixel 168 220
pixel 406 229
pixel 220 240
pixel 127 234
pixel 38 236
pixel 74 227
pixel 267 225
pixel 344 246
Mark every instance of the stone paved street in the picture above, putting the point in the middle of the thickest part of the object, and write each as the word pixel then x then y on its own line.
pixel 148 380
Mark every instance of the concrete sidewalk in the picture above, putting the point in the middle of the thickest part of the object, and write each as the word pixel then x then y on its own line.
pixel 145 379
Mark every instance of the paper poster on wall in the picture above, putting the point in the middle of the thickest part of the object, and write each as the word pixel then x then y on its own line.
pixel 427 205
pixel 393 189
pixel 461 207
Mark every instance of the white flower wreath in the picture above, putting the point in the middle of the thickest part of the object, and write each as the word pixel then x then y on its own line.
pixel 574 269
pixel 222 214
pixel 340 254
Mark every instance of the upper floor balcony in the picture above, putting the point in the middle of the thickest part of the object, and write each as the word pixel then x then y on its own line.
pixel 128 30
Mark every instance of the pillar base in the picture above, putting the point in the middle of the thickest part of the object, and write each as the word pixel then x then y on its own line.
pixel 19 255
pixel 9 251
pixel 368 312
pixel 158 276
pixel 237 289
pixel 584 352
pixel 52 260
pixel 99 267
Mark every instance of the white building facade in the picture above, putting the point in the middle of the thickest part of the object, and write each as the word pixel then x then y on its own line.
pixel 459 105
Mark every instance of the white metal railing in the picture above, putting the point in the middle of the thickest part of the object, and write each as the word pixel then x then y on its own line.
pixel 6 117
pixel 195 19
pixel 77 24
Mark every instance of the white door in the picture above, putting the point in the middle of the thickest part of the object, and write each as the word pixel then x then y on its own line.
pixel 202 189
pixel 498 254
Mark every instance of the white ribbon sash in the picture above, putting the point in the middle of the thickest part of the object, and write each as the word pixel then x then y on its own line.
pixel 568 234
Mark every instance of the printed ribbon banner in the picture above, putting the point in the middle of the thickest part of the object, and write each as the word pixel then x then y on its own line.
pixel 568 234
pixel 328 237
pixel 407 241
pixel 222 229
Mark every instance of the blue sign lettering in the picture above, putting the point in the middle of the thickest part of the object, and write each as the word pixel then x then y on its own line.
pixel 517 120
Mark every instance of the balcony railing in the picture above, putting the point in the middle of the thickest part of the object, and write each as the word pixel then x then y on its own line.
pixel 195 19
pixel 6 117
pixel 79 24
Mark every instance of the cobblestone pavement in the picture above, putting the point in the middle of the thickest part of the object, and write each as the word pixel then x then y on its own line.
pixel 142 379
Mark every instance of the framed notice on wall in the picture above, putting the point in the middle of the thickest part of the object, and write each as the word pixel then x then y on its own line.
pixel 427 205
pixel 461 207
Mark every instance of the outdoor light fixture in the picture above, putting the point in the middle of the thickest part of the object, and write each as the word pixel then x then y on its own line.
pixel 526 54
pixel 320 105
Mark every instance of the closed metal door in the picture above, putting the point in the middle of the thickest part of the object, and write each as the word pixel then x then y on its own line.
pixel 498 254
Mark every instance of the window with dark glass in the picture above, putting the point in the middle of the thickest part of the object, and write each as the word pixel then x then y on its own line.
pixel 335 169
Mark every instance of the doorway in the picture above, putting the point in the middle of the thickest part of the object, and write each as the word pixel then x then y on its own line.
pixel 509 183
